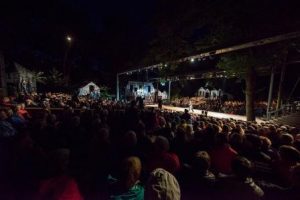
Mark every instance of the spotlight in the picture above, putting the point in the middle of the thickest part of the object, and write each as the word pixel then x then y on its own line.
pixel 69 39
pixel 192 59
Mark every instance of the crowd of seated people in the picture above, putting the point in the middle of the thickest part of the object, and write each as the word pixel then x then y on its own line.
pixel 217 105
pixel 62 100
pixel 238 107
pixel 113 152
pixel 57 100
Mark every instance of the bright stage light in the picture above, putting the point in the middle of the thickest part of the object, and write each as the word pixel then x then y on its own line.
pixel 69 39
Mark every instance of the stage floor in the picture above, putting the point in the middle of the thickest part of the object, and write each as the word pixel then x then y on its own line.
pixel 209 113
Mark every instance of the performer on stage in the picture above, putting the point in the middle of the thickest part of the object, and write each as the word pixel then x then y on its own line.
pixel 191 106
pixel 159 101
pixel 140 101
pixel 29 87
pixel 23 87
pixel 156 96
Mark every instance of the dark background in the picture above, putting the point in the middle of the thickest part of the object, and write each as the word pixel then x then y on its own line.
pixel 112 36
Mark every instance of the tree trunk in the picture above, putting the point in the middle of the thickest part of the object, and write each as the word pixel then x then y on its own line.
pixel 250 84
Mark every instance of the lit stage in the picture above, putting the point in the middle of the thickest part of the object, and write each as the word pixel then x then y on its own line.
pixel 209 113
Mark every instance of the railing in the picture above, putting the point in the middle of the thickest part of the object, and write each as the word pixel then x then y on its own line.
pixel 284 110
pixel 275 113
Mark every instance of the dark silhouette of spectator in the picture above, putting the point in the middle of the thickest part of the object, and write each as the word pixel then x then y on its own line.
pixel 162 158
pixel 186 116
pixel 127 185
pixel 198 180
pixel 289 157
pixel 241 184
pixel 222 155
pixel 59 186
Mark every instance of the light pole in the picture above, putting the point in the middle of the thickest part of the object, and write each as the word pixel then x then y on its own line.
pixel 66 69
pixel 118 89
pixel 169 91
pixel 269 106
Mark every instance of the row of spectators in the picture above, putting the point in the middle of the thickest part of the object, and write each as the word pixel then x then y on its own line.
pixel 57 100
pixel 119 152
pixel 217 105
pixel 62 100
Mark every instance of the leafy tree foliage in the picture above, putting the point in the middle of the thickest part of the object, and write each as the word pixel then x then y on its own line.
pixel 55 77
pixel 243 66
pixel 40 77
pixel 193 26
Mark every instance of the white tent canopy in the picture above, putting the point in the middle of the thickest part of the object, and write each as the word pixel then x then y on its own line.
pixel 87 89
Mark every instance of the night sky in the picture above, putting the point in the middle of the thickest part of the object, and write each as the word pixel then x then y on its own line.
pixel 111 36
pixel 105 33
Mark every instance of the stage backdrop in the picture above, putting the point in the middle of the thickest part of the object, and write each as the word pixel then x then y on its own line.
pixel 88 89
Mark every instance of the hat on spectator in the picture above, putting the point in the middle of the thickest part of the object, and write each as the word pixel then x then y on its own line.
pixel 162 185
